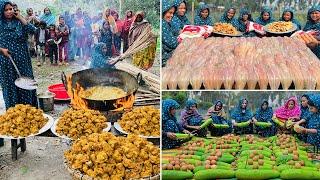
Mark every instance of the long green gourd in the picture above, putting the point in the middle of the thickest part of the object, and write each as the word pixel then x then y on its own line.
pixel 182 136
pixel 261 174
pixel 176 175
pixel 263 124
pixel 213 174
pixel 243 124
pixel 247 152
pixel 206 123
pixel 278 122
pixel 300 174
pixel 221 126
pixel 226 157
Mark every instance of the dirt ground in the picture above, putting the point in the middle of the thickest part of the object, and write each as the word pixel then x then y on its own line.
pixel 43 159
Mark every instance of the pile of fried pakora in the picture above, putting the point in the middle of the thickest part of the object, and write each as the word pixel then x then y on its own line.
pixel 225 28
pixel 105 156
pixel 142 121
pixel 22 121
pixel 280 26
pixel 76 123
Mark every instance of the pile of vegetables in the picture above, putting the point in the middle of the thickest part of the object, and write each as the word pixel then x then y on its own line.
pixel 242 157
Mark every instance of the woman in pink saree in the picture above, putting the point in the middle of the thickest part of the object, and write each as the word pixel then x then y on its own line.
pixel 290 111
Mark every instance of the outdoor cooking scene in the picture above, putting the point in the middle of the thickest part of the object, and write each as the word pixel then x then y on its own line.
pixel 80 89
pixel 241 44
pixel 247 135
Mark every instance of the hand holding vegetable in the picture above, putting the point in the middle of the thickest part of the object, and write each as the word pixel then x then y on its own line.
pixel 171 135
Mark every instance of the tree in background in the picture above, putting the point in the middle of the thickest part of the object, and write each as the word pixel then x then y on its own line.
pixel 151 9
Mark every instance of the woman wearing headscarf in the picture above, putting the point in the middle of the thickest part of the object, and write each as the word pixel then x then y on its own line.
pixel 117 36
pixel 243 21
pixel 170 125
pixel 240 114
pixel 100 56
pixel 143 59
pixel 14 30
pixel 289 111
pixel 288 16
pixel 218 116
pixel 191 120
pixel 48 17
pixel 265 17
pixel 305 113
pixel 229 17
pixel 313 23
pixel 169 36
pixel 203 16
pixel 106 36
pixel 313 121
pixel 264 114
pixel 138 25
pixel 126 29
pixel 180 19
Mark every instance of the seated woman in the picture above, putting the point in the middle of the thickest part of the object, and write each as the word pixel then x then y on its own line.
pixel 265 17
pixel 288 16
pixel 313 23
pixel 100 56
pixel 191 120
pixel 169 36
pixel 313 121
pixel 305 113
pixel 218 116
pixel 264 114
pixel 290 111
pixel 241 114
pixel 229 17
pixel 180 19
pixel 203 16
pixel 170 126
pixel 243 21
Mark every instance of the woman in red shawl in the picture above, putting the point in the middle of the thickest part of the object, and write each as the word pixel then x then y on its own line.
pixel 126 28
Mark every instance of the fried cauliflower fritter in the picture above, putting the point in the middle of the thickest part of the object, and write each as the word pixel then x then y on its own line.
pixel 107 156
pixel 21 121
pixel 225 28
pixel 280 26
pixel 77 123
pixel 142 121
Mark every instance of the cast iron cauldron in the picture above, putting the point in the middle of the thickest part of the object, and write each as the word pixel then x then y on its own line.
pixel 104 77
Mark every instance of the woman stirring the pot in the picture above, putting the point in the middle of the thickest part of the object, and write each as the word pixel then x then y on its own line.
pixel 14 30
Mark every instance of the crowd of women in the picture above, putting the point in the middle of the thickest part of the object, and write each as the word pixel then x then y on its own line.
pixel 306 114
pixel 66 36
pixel 174 19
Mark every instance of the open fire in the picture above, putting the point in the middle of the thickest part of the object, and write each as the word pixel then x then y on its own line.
pixel 121 104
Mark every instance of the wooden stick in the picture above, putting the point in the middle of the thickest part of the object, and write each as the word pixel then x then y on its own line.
pixel 148 99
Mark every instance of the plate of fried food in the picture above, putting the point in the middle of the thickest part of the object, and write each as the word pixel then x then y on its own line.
pixel 105 156
pixel 24 121
pixel 143 121
pixel 74 123
pixel 226 29
pixel 280 27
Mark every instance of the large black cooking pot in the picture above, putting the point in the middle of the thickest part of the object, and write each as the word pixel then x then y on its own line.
pixel 104 77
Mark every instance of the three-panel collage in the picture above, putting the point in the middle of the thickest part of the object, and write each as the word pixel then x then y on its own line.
pixel 163 89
